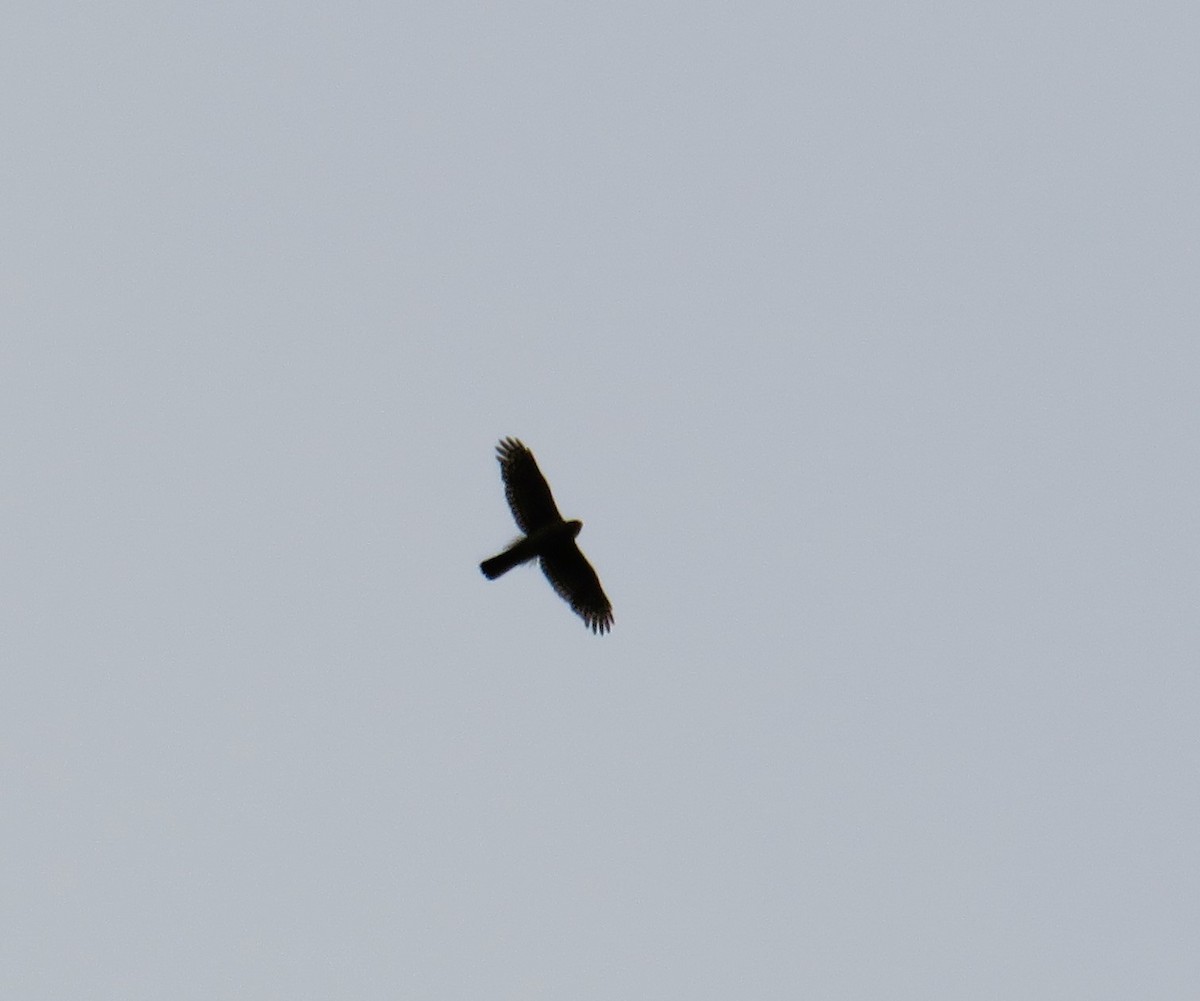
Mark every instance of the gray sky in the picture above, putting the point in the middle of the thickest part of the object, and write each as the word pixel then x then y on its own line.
pixel 862 337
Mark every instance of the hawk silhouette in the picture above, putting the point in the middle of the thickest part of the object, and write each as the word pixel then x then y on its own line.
pixel 547 538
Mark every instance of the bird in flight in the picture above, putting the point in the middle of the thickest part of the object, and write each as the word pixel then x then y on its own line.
pixel 547 538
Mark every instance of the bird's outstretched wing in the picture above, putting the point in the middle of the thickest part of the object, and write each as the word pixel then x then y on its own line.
pixel 573 578
pixel 526 488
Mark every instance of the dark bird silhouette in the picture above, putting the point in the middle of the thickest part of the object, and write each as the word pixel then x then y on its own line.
pixel 547 538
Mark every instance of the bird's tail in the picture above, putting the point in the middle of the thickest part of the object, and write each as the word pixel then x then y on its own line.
pixel 515 554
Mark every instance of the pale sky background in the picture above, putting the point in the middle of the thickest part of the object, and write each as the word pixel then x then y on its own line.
pixel 863 337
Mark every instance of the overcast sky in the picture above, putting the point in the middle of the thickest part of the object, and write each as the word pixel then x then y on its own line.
pixel 864 339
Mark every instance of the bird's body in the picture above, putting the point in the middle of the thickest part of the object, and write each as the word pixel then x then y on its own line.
pixel 548 538
pixel 530 547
